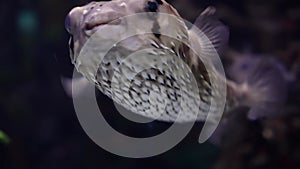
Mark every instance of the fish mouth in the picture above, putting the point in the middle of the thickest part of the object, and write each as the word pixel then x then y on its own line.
pixel 96 25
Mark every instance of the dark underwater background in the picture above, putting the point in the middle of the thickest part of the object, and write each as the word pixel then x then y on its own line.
pixel 38 125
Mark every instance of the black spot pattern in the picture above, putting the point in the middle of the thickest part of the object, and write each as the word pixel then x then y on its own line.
pixel 155 30
pixel 152 6
pixel 159 2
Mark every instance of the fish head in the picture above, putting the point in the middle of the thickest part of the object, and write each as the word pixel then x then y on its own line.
pixel 82 22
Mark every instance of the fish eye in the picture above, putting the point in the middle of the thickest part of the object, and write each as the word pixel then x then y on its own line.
pixel 152 6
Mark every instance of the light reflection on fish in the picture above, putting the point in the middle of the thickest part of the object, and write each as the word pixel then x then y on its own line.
pixel 253 92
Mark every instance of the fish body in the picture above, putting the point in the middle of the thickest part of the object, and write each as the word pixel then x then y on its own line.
pixel 153 74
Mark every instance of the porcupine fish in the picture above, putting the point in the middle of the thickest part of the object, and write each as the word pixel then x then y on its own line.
pixel 162 88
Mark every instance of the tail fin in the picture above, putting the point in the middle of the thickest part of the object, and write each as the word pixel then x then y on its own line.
pixel 261 86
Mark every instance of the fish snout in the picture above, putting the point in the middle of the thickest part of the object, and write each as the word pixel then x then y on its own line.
pixel 73 18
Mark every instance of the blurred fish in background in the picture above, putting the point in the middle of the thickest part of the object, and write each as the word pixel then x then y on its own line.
pixel 261 31
pixel 42 126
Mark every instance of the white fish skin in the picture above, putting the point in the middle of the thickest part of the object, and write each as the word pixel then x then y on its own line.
pixel 83 21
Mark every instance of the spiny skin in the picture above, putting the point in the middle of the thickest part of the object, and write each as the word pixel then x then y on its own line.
pixel 155 89
pixel 160 92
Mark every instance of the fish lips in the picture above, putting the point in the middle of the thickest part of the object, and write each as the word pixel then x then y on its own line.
pixel 92 27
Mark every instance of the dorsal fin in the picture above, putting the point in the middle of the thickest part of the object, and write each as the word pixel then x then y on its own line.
pixel 215 30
